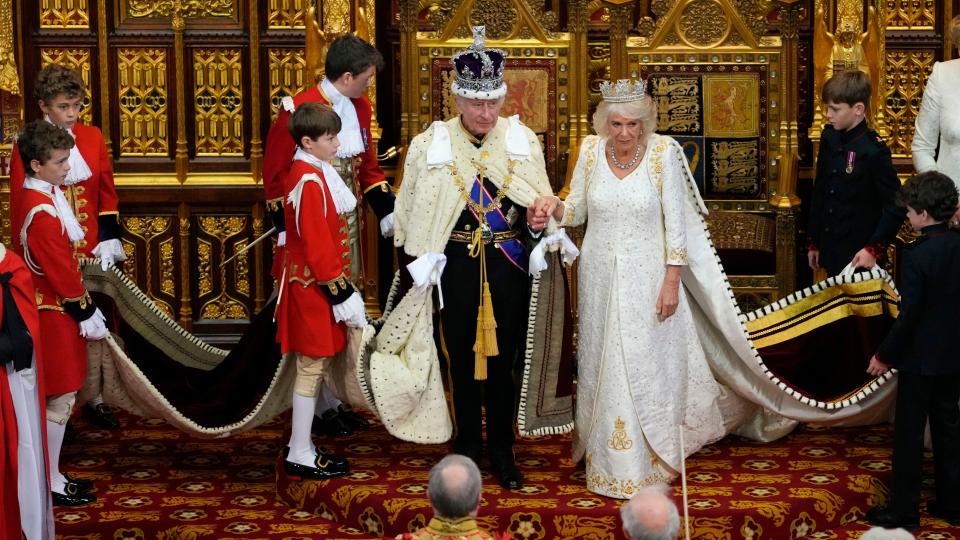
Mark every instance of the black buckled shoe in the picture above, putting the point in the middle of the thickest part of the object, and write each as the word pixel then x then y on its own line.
pixel 953 518
pixel 72 496
pixel 100 416
pixel 330 424
pixel 324 469
pixel 352 418
pixel 82 484
pixel 889 519
pixel 506 471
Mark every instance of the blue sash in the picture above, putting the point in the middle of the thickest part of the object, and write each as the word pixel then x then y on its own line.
pixel 513 250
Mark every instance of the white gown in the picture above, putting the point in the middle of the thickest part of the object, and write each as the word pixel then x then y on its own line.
pixel 639 380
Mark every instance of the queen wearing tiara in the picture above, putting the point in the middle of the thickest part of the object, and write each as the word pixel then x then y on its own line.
pixel 641 369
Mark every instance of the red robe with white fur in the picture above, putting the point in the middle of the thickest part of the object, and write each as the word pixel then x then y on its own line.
pixel 23 296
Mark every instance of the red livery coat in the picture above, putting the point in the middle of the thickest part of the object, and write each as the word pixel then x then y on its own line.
pixel 22 289
pixel 58 280
pixel 90 198
pixel 280 147
pixel 318 255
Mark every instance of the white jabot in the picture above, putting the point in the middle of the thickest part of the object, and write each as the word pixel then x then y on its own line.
pixel 440 151
pixel 351 140
pixel 74 232
pixel 427 269
pixel 516 143
pixel 79 170
pixel 556 241
pixel 343 199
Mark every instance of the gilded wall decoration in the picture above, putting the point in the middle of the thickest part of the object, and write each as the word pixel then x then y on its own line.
pixel 218 102
pixel 754 14
pixel 78 59
pixel 695 31
pixel 529 96
pixel 144 236
pixel 64 14
pixel 204 267
pixel 734 166
pixel 911 14
pixel 499 16
pixel 731 107
pixel 142 91
pixel 167 270
pixel 188 9
pixel 336 16
pixel 9 72
pixel 906 76
pixel 242 266
pixel 221 230
pixel 286 14
pixel 287 76
pixel 715 106
pixel 598 70
pixel 678 101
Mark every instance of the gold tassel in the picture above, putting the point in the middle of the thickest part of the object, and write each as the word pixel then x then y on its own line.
pixel 480 356
pixel 489 323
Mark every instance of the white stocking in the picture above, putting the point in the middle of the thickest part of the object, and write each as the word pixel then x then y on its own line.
pixel 302 450
pixel 55 433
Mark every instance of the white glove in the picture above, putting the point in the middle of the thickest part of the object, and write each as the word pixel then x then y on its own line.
pixel 281 238
pixel 94 328
pixel 109 252
pixel 554 242
pixel 351 311
pixel 427 269
pixel 386 225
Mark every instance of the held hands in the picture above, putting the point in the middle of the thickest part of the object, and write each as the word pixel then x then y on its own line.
pixel 539 213
pixel 863 259
pixel 876 367
pixel 813 259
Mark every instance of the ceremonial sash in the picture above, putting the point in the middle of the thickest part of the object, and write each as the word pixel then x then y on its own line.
pixel 512 249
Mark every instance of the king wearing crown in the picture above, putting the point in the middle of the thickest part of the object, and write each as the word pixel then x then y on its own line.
pixel 460 214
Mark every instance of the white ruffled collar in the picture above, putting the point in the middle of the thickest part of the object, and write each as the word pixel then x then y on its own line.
pixel 79 170
pixel 64 210
pixel 351 138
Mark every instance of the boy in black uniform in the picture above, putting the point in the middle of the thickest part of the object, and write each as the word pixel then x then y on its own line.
pixel 922 346
pixel 853 213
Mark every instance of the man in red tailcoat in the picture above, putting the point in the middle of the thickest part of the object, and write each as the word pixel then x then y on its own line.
pixel 349 70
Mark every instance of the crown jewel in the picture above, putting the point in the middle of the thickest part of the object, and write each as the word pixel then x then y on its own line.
pixel 479 70
pixel 623 90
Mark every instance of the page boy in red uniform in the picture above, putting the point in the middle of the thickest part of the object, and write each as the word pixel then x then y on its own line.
pixel 88 187
pixel 316 299
pixel 68 316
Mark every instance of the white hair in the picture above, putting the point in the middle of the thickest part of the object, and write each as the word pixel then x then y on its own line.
pixel 643 513
pixel 643 109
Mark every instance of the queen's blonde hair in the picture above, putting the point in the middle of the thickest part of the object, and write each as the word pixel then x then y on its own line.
pixel 953 28
pixel 643 109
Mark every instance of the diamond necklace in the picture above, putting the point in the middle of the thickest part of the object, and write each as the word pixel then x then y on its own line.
pixel 627 165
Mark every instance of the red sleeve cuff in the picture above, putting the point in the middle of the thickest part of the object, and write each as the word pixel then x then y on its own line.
pixel 877 250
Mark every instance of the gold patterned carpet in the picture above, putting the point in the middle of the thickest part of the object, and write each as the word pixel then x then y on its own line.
pixel 156 482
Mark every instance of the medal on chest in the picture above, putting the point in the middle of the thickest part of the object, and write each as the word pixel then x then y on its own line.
pixel 851 158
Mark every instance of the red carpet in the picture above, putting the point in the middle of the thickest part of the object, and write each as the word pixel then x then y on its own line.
pixel 155 482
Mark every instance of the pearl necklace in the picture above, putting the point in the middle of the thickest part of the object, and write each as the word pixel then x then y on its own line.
pixel 627 165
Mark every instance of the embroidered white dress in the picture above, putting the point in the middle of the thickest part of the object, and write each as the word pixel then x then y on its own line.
pixel 639 379
pixel 938 123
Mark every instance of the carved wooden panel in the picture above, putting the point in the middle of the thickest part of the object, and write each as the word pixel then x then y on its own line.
pixel 149 242
pixel 285 13
pixel 218 102
pixel 907 73
pixel 911 14
pixel 287 77
pixel 62 14
pixel 222 292
pixel 142 98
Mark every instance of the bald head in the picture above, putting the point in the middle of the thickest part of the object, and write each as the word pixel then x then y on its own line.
pixel 454 487
pixel 650 515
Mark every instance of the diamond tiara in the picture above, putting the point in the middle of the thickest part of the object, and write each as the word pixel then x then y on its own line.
pixel 623 90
